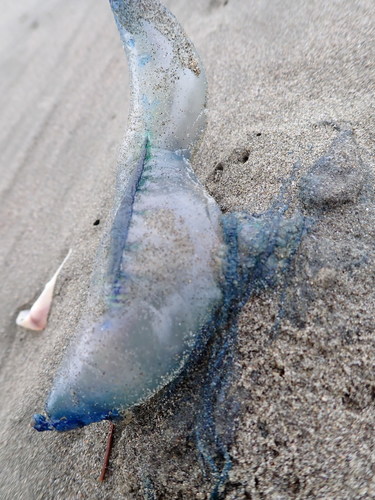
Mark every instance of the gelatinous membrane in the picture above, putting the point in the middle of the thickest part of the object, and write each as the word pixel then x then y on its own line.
pixel 173 269
pixel 162 278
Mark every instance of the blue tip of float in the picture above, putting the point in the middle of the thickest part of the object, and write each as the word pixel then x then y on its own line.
pixel 70 422
pixel 41 424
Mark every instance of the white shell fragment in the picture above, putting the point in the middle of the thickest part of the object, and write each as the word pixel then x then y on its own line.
pixel 36 317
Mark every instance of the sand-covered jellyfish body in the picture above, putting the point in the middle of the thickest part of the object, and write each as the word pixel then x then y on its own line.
pixel 164 296
pixel 174 268
pixel 164 265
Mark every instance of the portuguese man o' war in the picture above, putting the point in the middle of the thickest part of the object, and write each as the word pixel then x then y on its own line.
pixel 176 269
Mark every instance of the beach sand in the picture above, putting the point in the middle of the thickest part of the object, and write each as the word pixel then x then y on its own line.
pixel 279 73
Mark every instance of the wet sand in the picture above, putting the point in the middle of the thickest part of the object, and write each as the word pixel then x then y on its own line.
pixel 278 73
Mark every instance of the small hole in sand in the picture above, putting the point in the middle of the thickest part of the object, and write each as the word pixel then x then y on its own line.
pixel 34 25
pixel 97 222
pixel 244 156
pixel 218 171
pixel 258 134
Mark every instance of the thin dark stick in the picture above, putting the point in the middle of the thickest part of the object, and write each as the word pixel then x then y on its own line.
pixel 107 451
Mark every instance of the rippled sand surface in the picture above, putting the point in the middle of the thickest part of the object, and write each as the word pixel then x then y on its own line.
pixel 278 72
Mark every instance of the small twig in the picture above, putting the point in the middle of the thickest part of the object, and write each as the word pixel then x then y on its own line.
pixel 107 451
